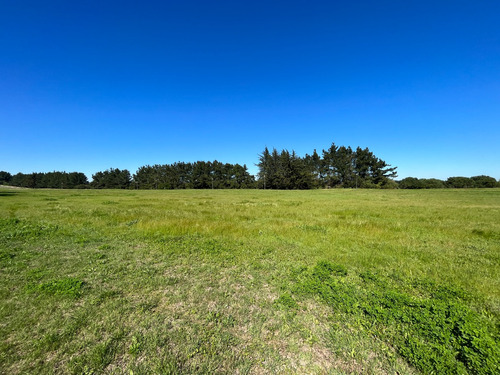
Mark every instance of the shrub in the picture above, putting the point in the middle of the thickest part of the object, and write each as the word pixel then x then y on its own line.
pixel 410 183
pixel 484 181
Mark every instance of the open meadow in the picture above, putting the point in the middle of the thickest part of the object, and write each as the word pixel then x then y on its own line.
pixel 250 281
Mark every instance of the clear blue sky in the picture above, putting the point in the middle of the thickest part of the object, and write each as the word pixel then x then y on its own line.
pixel 89 85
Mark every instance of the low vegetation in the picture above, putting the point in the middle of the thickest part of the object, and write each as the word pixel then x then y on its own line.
pixel 250 281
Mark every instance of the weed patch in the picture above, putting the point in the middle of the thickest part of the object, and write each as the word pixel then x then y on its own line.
pixel 437 333
pixel 287 301
pixel 70 287
pixel 12 229
pixel 136 345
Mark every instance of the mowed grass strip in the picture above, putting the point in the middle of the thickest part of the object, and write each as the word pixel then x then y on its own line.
pixel 227 281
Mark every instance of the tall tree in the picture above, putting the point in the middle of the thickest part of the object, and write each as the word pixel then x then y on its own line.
pixel 266 168
pixel 338 167
pixel 112 178
pixel 313 164
pixel 344 164
pixel 330 171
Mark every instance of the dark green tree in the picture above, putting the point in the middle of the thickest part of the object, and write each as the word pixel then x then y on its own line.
pixel 264 165
pixel 460 182
pixel 344 164
pixel 19 179
pixel 339 167
pixel 313 164
pixel 198 175
pixel 410 183
pixel 382 172
pixel 484 181
pixel 112 178
pixel 5 177
pixel 329 166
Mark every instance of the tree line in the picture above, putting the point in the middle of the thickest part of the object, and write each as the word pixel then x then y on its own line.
pixel 52 180
pixel 452 182
pixel 198 175
pixel 335 167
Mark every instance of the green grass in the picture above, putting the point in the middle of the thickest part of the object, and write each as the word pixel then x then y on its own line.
pixel 180 282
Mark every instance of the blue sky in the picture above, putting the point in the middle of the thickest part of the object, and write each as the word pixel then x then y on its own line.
pixel 89 85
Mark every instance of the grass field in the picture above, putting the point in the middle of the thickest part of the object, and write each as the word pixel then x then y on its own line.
pixel 251 281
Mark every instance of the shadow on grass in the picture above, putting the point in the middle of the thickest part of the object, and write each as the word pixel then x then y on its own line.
pixel 4 193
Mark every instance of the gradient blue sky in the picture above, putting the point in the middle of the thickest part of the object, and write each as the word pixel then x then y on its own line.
pixel 89 85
